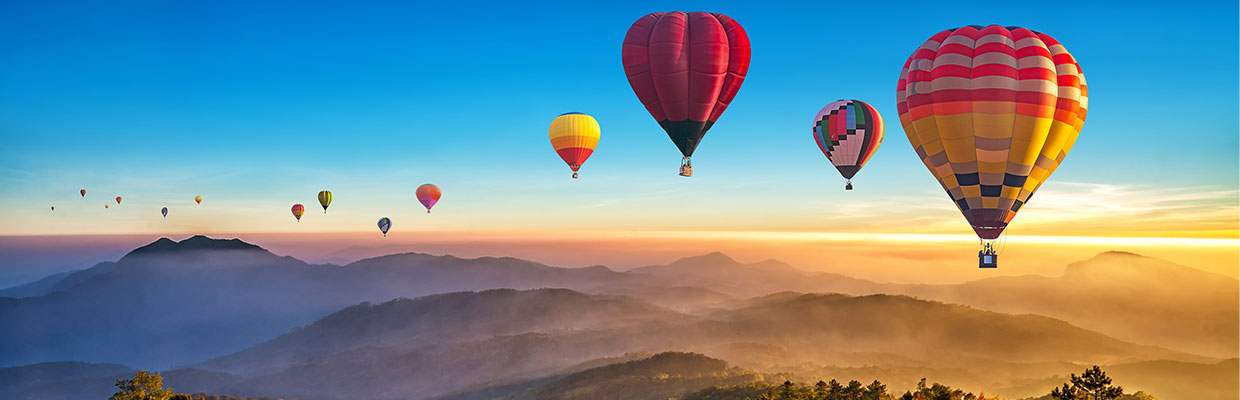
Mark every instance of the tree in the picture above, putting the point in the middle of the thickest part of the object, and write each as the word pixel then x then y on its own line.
pixel 144 386
pixel 853 391
pixel 786 391
pixel 875 391
pixel 835 391
pixel 820 390
pixel 1094 384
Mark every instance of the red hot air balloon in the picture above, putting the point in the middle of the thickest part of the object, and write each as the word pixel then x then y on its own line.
pixel 428 195
pixel 686 68
pixel 298 210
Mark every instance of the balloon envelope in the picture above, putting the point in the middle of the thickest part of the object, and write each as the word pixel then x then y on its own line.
pixel 384 225
pixel 574 136
pixel 298 210
pixel 325 199
pixel 198 199
pixel 118 199
pixel 848 132
pixel 83 192
pixel 992 111
pixel 686 68
pixel 164 211
pixel 428 195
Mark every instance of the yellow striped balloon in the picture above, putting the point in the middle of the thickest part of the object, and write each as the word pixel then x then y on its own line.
pixel 325 199
pixel 574 136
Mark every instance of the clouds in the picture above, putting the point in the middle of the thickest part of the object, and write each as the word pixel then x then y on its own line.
pixel 1132 210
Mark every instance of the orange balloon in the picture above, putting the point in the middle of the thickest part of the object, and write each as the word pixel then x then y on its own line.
pixel 428 195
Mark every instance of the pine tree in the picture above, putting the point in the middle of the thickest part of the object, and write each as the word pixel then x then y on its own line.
pixel 835 391
pixel 820 390
pixel 875 391
pixel 853 391
pixel 1094 384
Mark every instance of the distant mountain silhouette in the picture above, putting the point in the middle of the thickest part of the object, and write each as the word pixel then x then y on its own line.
pixel 166 303
pixel 444 318
pixel 194 243
pixel 718 272
pixel 1125 295
pixel 49 283
pixel 49 378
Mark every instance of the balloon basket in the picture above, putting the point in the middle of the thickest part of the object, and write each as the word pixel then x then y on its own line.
pixel 848 185
pixel 988 261
pixel 574 175
pixel 686 167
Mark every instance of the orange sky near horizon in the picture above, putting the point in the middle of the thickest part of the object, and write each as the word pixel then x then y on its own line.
pixel 902 258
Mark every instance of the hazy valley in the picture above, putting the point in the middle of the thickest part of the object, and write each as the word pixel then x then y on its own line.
pixel 227 317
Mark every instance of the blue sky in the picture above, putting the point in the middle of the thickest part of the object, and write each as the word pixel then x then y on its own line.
pixel 258 105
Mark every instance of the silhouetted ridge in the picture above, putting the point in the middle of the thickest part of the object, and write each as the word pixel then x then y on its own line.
pixel 197 242
pixel 705 259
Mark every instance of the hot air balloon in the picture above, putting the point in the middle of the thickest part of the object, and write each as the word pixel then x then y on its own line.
pixel 384 225
pixel 574 136
pixel 83 192
pixel 325 198
pixel 686 68
pixel 992 111
pixel 428 195
pixel 298 210
pixel 53 208
pixel 106 206
pixel 848 132
pixel 198 199
pixel 118 199
pixel 164 211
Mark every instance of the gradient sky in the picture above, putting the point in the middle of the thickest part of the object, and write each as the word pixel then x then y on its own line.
pixel 259 105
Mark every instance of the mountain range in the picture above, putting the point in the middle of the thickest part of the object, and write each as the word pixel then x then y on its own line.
pixel 239 320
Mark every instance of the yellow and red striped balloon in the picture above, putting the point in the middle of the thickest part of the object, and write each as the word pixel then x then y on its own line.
pixel 992 111
pixel 298 210
pixel 574 136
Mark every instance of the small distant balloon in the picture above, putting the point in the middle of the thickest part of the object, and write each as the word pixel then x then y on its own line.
pixel 325 199
pixel 106 206
pixel 164 211
pixel 428 194
pixel 83 191
pixel 384 225
pixel 198 199
pixel 118 199
pixel 53 208
pixel 298 210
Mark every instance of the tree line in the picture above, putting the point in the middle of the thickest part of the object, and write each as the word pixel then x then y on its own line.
pixel 1093 384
